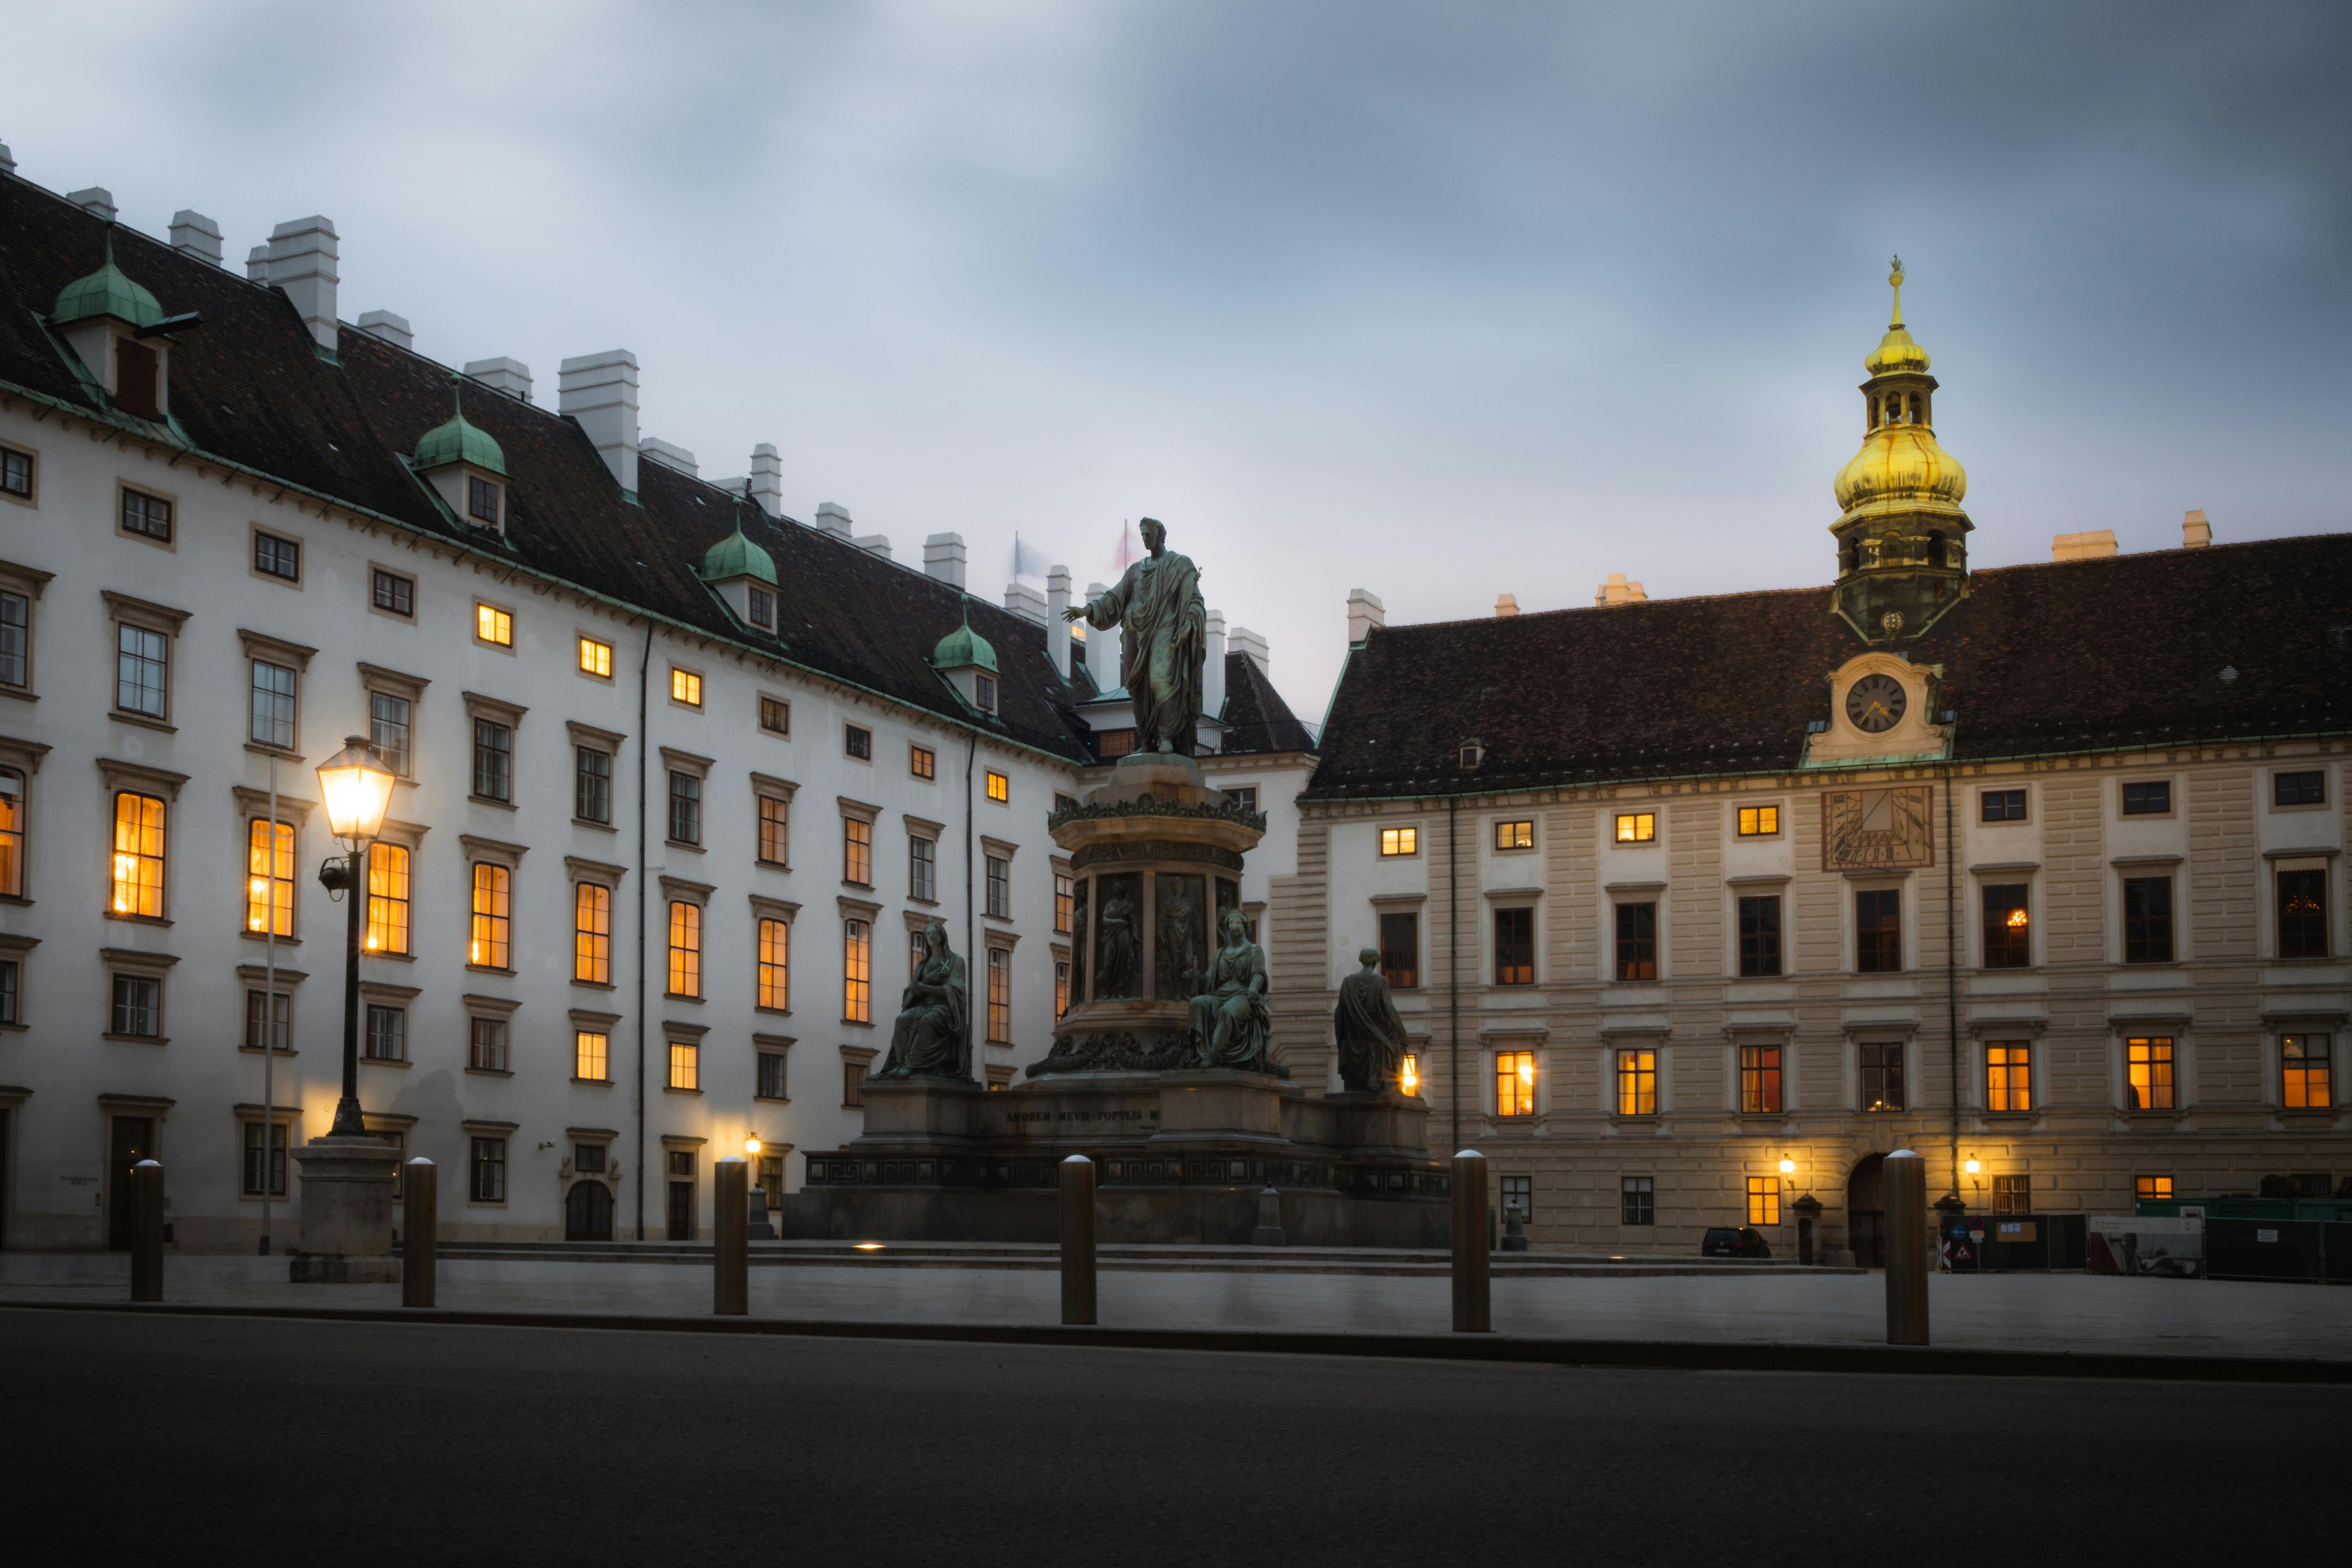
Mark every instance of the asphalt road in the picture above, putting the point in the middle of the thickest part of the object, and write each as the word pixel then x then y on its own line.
pixel 177 1440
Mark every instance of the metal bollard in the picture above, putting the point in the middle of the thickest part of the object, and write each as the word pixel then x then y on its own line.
pixel 731 1242
pixel 147 1231
pixel 1906 1248
pixel 1472 1279
pixel 1077 1239
pixel 420 1232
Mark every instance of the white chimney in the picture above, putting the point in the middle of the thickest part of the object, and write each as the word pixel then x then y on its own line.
pixel 874 544
pixel 392 328
pixel 2090 546
pixel 257 265
pixel 511 376
pixel 669 454
pixel 1365 612
pixel 1025 602
pixel 1102 646
pixel 833 518
pixel 302 257
pixel 1212 668
pixel 1057 630
pixel 2196 533
pixel 599 392
pixel 1244 640
pixel 768 478
pixel 193 234
pixel 943 558
pixel 7 161
pixel 97 200
pixel 1616 591
pixel 1506 604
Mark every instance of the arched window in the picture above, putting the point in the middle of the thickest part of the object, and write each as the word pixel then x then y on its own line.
pixel 1935 547
pixel 1848 556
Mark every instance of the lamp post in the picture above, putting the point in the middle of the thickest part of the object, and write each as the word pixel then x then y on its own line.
pixel 357 788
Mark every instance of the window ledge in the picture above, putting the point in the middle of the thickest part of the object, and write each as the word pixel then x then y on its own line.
pixel 487 969
pixel 276 941
pixel 491 800
pixel 280 1051
pixel 597 1082
pixel 927 903
pixel 374 1062
pixel 142 722
pixel 773 1098
pixel 771 864
pixel 280 753
pixel 1650 1122
pixel 14 1029
pixel 22 903
pixel 774 1012
pixel 861 887
pixel 591 822
pixel 859 1023
pixel 139 920
pixel 2150 1117
pixel 682 997
pixel 673 1089
pixel 2009 1118
pixel 491 1072
pixel 140 1040
pixel 20 693
pixel 682 844
pixel 395 957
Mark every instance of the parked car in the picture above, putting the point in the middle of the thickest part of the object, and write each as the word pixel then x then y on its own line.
pixel 1726 1242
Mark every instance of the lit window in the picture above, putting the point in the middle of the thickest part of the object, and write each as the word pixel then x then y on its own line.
pixel 684 1065
pixel 11 836
pixel 276 557
pixel 1763 1200
pixel 138 855
pixel 1637 1083
pixel 596 658
pixel 592 933
pixel 2303 913
pixel 1400 841
pixel 774 831
pixel 482 501
pixel 2304 1061
pixel 1882 1077
pixel 2007 927
pixel 1000 888
pixel 921 763
pixel 2012 1194
pixel 493 910
pixel 686 686
pixel 141 671
pixel 1637 1199
pixel 2152 1189
pixel 1636 826
pixel 1000 997
pixel 857 852
pixel 1758 821
pixel 776 965
pixel 856 741
pixel 2009 1076
pixel 922 868
pixel 392 593
pixel 1759 1080
pixel 1637 941
pixel 486 1179
pixel 269 878
pixel 591 1053
pixel 485 1045
pixel 494 626
pixel 856 974
pixel 1065 904
pixel 273 706
pixel 685 948
pixel 1514 947
pixel 1515 836
pixel 1000 788
pixel 775 716
pixel 387 910
pixel 1514 1083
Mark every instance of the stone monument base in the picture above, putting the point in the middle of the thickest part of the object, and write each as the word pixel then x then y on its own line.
pixel 345 1236
pixel 1182 1157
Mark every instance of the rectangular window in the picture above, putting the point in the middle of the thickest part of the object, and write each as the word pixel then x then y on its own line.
pixel 684 1065
pixel 1882 1077
pixel 482 499
pixel 1061 987
pixel 1514 947
pixel 984 692
pixel 1000 788
pixel 681 1194
pixel 856 741
pixel 588 1159
pixel 1065 904
pixel 775 836
pixel 142 670
pixel 1637 1199
pixel 15 639
pixel 16 473
pixel 685 948
pixel 776 965
pixel 762 605
pixel 493 910
pixel 2156 1188
pixel 1514 1083
pixel 1064 802
pixel 2309 788
pixel 592 933
pixel 596 658
pixel 921 763
pixel 392 593
pixel 138 1005
pixel 856 974
pixel 387 1034
pixel 853 1084
pixel 1637 1083
pixel 1000 888
pixel 1760 935
pixel 147 515
pixel 494 626
pixel 2151 799
pixel 1758 821
pixel 2305 1083
pixel 771 1084
pixel 1636 826
pixel 11 985
pixel 592 784
pixel 485 1045
pixel 1401 951
pixel 273 706
pixel 1759 1080
pixel 2001 806
pixel 2007 927
pixel 1113 744
pixel 915 954
pixel 389 728
pixel 1878 931
pixel 493 761
pixel 2147 920
pixel 1245 798
pixel 591 1054
pixel 259 1023
pixel 2009 1076
pixel 1515 836
pixel 277 557
pixel 1763 1200
pixel 1400 841
pixel 387 910
pixel 138 855
pixel 1637 941
pixel 12 833
pixel 922 869
pixel 2012 1194
pixel 487 1180
pixel 264 1147
pixel 137 373
pixel 1519 1194
pixel 1000 998
pixel 685 687
pixel 857 852
pixel 2303 913
pixel 269 877
pixel 775 716
pixel 685 808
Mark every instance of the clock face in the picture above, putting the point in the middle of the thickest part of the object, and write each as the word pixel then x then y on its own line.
pixel 1875 704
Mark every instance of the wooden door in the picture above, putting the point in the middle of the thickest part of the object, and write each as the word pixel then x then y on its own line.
pixel 130 1139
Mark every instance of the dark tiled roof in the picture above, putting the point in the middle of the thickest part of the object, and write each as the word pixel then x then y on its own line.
pixel 1256 718
pixel 247 387
pixel 2078 656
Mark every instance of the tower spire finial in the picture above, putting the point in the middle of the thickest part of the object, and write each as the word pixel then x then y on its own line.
pixel 1895 280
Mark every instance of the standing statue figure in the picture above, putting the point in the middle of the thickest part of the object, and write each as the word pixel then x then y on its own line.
pixel 1370 1033
pixel 1163 638
pixel 929 1039
pixel 1233 1021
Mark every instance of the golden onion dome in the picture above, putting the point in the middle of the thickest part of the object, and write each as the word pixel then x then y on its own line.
pixel 1900 468
pixel 1897 350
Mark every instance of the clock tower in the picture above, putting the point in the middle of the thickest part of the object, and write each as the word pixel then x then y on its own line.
pixel 1902 538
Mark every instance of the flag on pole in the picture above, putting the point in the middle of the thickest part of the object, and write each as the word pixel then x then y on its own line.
pixel 1129 549
pixel 1028 560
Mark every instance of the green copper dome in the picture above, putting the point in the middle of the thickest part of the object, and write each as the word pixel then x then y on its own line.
pixel 964 649
pixel 736 556
pixel 458 442
pixel 106 293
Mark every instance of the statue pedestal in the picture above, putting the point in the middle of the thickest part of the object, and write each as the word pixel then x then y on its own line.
pixel 345 1237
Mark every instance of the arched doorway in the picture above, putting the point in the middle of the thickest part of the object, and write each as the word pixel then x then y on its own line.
pixel 588 1212
pixel 1865 1212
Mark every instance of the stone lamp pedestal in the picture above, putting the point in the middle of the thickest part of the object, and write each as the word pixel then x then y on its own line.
pixel 346 1230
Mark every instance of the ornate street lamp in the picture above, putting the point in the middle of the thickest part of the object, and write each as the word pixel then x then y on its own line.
pixel 357 788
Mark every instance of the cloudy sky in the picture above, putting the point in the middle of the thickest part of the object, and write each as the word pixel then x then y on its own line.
pixel 1437 301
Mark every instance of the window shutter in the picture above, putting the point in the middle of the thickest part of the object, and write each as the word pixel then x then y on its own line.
pixel 135 367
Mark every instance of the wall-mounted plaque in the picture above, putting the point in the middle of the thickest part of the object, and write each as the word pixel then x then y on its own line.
pixel 1878 829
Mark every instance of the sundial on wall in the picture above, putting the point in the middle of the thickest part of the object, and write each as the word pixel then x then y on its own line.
pixel 1878 829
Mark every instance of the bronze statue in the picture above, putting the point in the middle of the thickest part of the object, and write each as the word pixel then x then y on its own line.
pixel 1163 638
pixel 1233 1021
pixel 930 1039
pixel 1370 1033
pixel 1120 944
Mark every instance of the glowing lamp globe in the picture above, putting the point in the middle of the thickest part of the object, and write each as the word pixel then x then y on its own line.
pixel 357 788
pixel 751 1145
pixel 1787 1167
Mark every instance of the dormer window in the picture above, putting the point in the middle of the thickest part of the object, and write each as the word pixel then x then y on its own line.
pixel 137 379
pixel 1472 753
pixel 984 693
pixel 482 501
pixel 762 610
pixel 465 466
